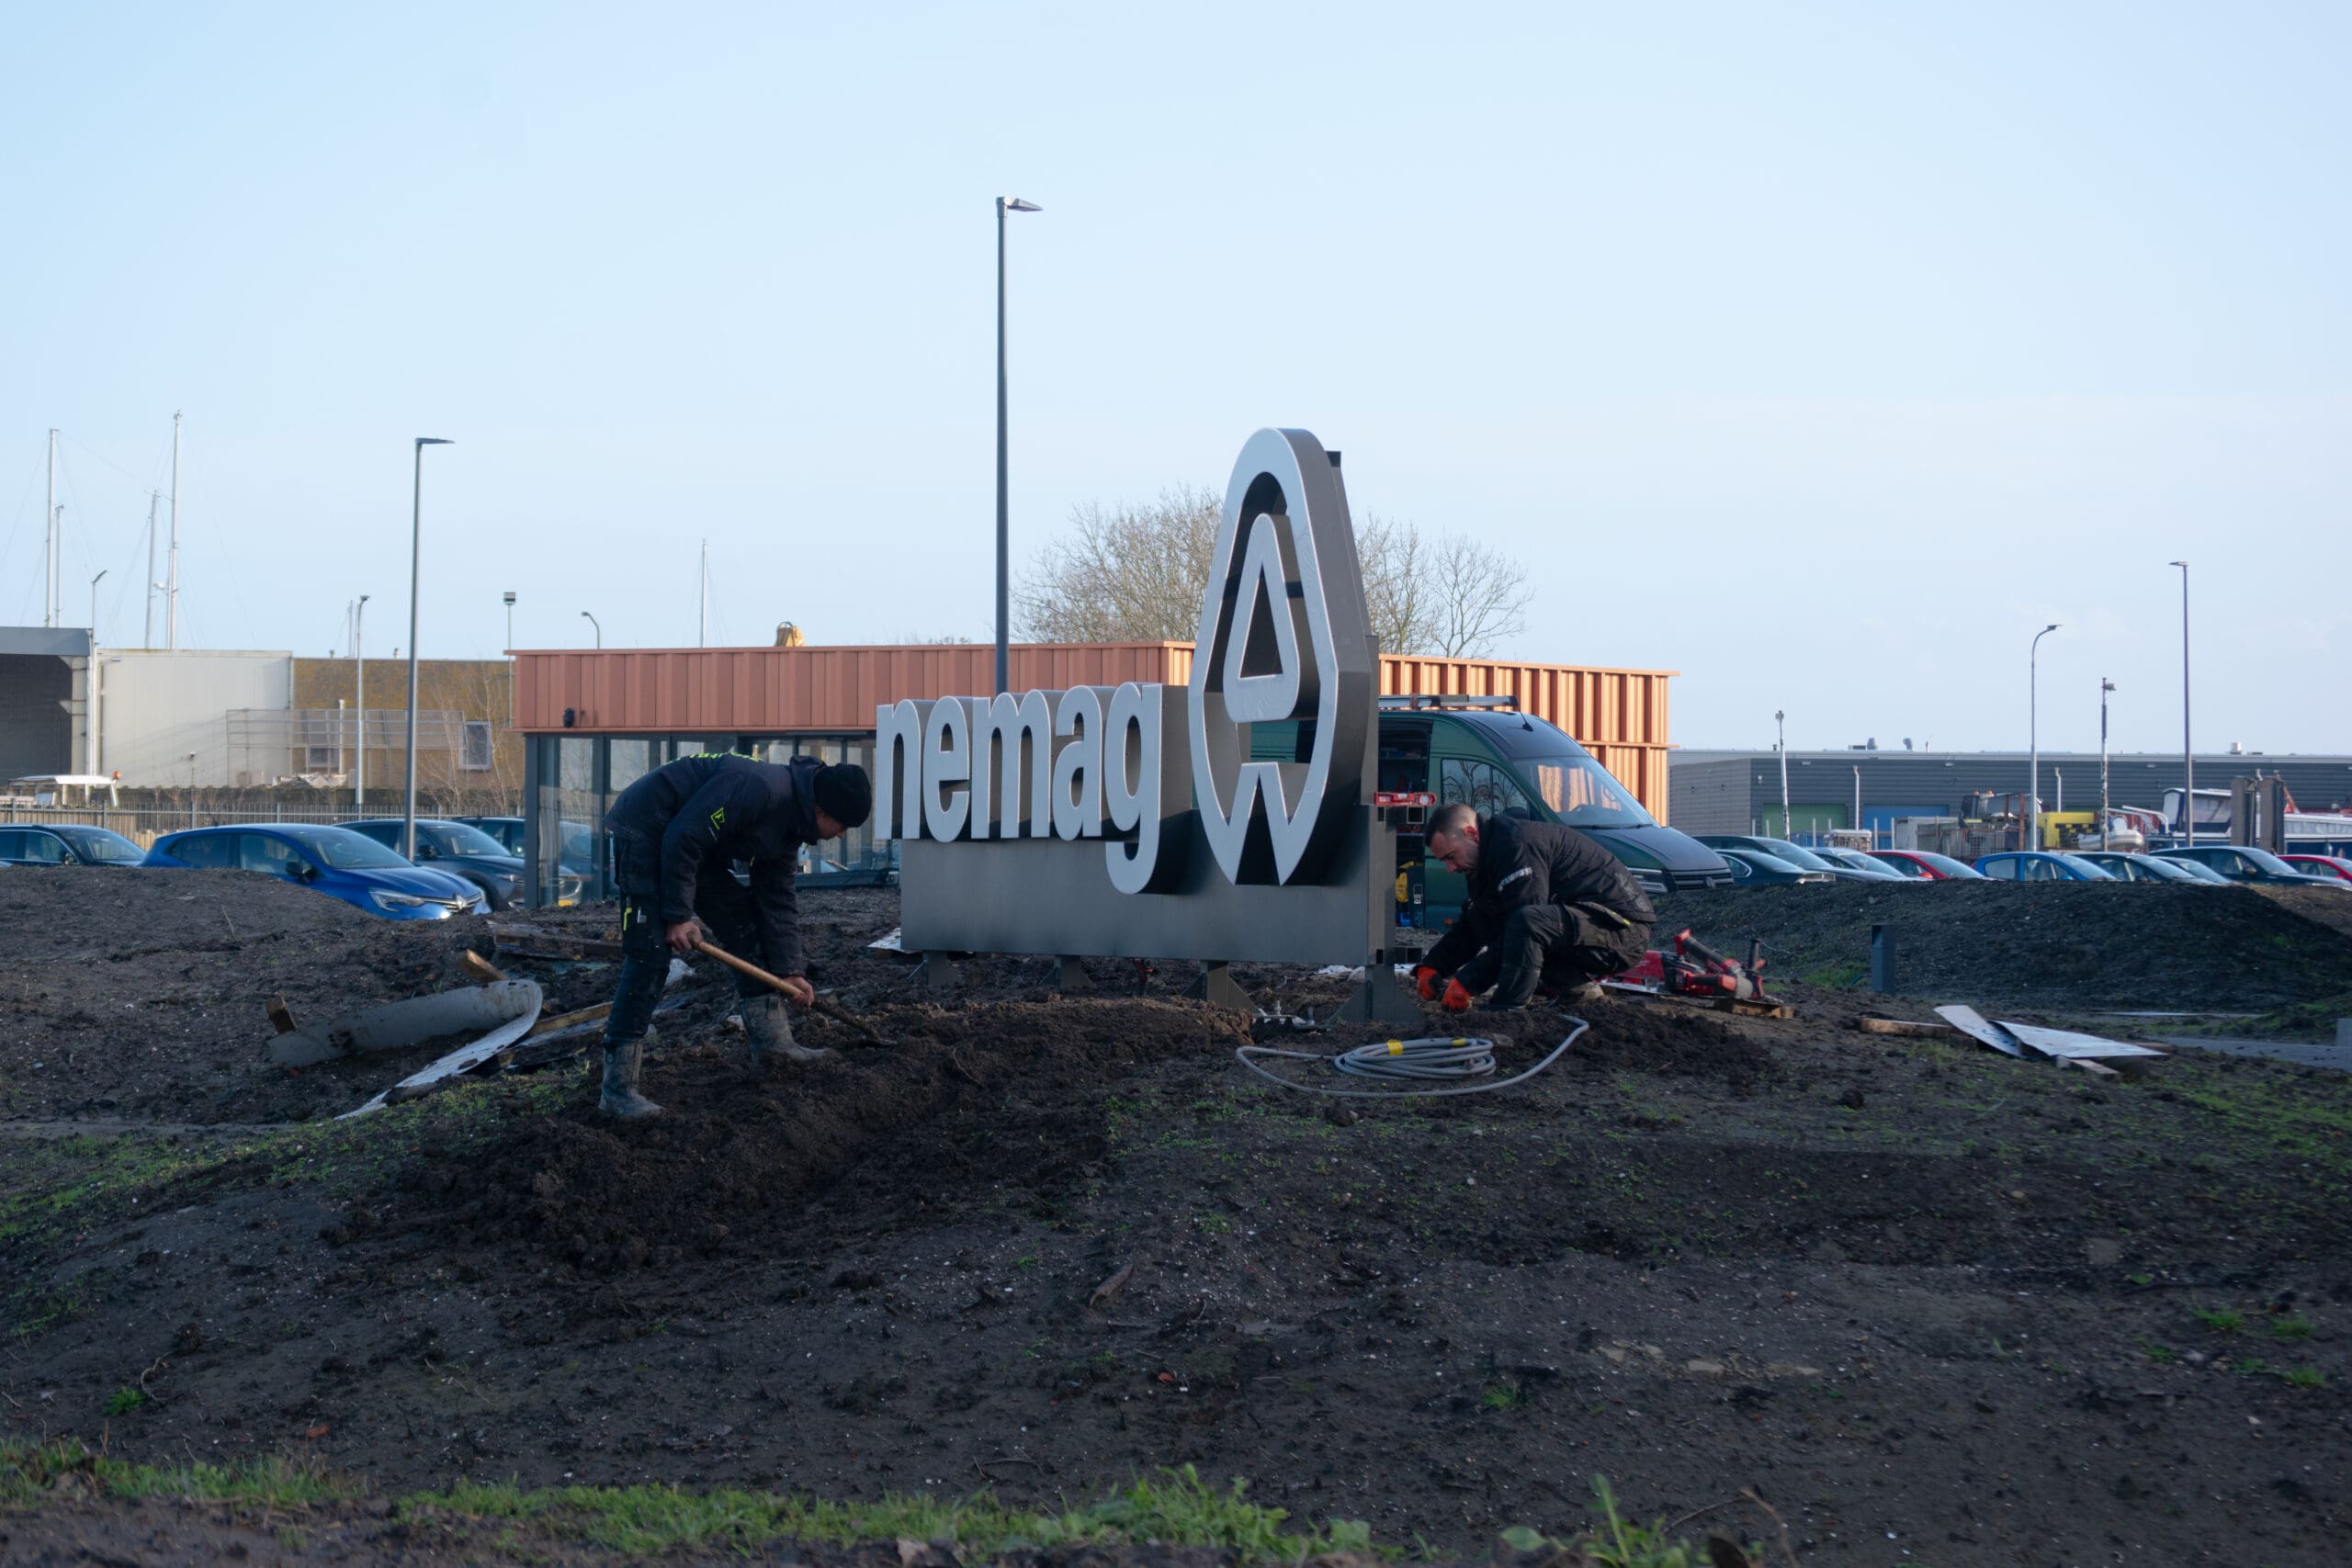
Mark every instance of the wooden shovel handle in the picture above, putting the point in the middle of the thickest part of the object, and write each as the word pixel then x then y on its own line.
pixel 742 967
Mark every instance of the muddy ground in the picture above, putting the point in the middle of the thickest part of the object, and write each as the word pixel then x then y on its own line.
pixel 1934 1304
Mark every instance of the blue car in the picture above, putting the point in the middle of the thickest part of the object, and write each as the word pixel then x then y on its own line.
pixel 2041 866
pixel 333 860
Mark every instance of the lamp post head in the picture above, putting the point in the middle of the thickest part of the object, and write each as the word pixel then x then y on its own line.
pixel 2050 627
pixel 2182 564
pixel 1014 204
pixel 424 441
pixel 509 596
pixel 2104 684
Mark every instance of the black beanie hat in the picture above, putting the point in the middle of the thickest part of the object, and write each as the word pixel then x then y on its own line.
pixel 845 794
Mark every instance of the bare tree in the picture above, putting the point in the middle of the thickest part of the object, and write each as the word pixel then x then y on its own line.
pixel 1396 596
pixel 1127 574
pixel 1481 597
pixel 1137 574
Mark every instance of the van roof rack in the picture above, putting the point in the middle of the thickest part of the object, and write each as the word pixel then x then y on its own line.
pixel 1449 700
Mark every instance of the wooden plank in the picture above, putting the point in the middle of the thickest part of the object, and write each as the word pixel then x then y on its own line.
pixel 2096 1069
pixel 571 1019
pixel 535 944
pixel 281 1017
pixel 1759 1007
pixel 1971 1023
pixel 1903 1026
pixel 481 968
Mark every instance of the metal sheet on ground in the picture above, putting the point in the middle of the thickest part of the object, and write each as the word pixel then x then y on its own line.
pixel 400 1026
pixel 466 1056
pixel 1971 1023
pixel 2068 1043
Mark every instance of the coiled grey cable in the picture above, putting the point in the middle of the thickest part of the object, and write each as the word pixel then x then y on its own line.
pixel 1460 1056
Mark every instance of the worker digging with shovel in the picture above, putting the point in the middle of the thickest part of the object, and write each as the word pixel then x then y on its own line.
pixel 675 832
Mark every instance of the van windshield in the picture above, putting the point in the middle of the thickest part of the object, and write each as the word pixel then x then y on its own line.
pixel 1581 793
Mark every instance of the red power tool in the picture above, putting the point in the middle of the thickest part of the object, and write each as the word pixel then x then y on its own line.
pixel 1694 969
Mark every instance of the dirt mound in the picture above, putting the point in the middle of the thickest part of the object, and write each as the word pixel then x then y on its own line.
pixel 2146 944
pixel 142 991
pixel 990 1088
pixel 1667 1037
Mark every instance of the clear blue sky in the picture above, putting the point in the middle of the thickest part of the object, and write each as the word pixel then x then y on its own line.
pixel 1821 353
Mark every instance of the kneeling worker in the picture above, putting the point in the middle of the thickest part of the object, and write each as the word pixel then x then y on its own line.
pixel 1546 903
pixel 675 833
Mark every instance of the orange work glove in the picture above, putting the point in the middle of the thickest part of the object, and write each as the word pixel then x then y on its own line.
pixel 1426 978
pixel 1457 997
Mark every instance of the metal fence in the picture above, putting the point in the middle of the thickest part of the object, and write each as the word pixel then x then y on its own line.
pixel 144 825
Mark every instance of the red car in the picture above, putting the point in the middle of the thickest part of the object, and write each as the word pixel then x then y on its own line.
pixel 1926 866
pixel 2322 865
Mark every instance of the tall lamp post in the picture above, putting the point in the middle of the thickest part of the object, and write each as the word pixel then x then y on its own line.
pixel 2033 732
pixel 1779 719
pixel 359 702
pixel 598 625
pixel 2188 756
pixel 2105 686
pixel 1003 528
pixel 510 658
pixel 415 557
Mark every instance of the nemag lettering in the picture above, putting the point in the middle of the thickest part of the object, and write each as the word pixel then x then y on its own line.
pixel 1157 772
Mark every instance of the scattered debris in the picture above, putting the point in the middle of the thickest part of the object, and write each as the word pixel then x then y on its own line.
pixel 524 993
pixel 481 968
pixel 1971 1023
pixel 1102 1293
pixel 404 1025
pixel 1901 1026
pixel 539 942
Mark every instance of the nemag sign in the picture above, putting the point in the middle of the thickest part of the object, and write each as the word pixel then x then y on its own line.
pixel 1134 821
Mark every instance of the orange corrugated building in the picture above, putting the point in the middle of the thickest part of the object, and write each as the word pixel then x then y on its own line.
pixel 604 715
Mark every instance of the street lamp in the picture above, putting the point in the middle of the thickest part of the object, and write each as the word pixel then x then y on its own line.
pixel 599 626
pixel 415 556
pixel 94 610
pixel 359 703
pixel 1780 720
pixel 2033 732
pixel 1003 531
pixel 2188 757
pixel 2105 686
pixel 510 658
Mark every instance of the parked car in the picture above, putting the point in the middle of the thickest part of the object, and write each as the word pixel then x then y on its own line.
pixel 2337 866
pixel 2142 868
pixel 1754 868
pixel 575 864
pixel 2041 866
pixel 65 844
pixel 1926 865
pixel 1792 855
pixel 334 861
pixel 457 847
pixel 1857 860
pixel 2242 863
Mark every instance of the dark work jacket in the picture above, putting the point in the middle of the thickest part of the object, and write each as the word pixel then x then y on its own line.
pixel 714 809
pixel 1523 863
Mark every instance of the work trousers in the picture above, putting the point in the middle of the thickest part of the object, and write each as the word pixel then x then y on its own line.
pixel 1556 945
pixel 721 903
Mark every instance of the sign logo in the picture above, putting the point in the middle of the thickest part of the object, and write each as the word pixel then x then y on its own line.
pixel 1283 641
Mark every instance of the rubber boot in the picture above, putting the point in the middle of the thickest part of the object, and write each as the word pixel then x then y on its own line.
pixel 620 1099
pixel 767 1031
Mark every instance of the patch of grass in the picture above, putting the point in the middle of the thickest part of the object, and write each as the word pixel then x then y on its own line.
pixel 2303 1377
pixel 1843 976
pixel 1615 1542
pixel 2292 1328
pixel 125 1400
pixel 2160 1354
pixel 1504 1396
pixel 1179 1508
pixel 30 1474
pixel 2220 1320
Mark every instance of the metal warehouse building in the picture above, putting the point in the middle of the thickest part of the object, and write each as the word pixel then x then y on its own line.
pixel 1739 792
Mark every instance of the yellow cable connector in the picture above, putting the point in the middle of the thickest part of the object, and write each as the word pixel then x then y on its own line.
pixel 1396 1047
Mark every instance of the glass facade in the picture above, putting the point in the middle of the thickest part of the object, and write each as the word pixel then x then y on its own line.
pixel 575 778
